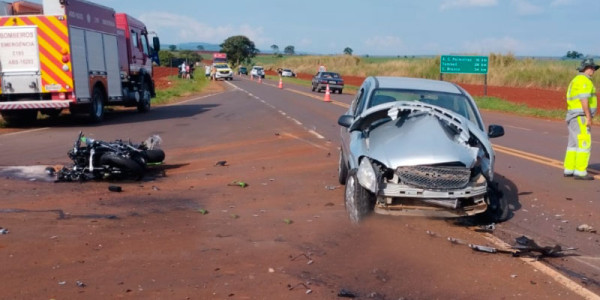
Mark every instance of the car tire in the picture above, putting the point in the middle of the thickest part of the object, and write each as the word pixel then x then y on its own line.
pixel 498 210
pixel 340 91
pixel 359 201
pixel 145 97
pixel 342 169
pixel 96 108
pixel 313 88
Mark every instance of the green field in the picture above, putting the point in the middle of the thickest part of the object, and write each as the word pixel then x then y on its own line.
pixel 504 70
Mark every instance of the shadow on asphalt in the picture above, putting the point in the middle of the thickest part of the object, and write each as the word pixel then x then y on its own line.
pixel 126 116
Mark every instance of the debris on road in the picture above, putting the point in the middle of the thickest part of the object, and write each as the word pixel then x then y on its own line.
pixel 302 284
pixel 51 171
pixel 331 187
pixel 309 260
pixel 115 188
pixel 3 231
pixel 586 228
pixel 485 228
pixel 344 293
pixel 203 211
pixel 481 248
pixel 526 245
pixel 221 163
pixel 80 284
pixel 238 183
pixel 288 221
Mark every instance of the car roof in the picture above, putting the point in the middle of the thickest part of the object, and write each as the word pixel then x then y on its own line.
pixel 409 83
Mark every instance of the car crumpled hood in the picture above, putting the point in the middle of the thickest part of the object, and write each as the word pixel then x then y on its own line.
pixel 420 139
pixel 423 134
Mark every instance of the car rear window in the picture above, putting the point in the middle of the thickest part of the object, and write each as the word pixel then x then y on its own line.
pixel 330 75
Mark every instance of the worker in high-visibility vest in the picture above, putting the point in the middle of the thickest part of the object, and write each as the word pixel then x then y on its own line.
pixel 582 104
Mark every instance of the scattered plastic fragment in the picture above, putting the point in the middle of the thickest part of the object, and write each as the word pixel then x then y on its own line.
pixel 527 245
pixel 80 284
pixel 331 187
pixel 115 188
pixel 51 171
pixel 309 262
pixel 346 294
pixel 221 163
pixel 486 228
pixel 203 211
pixel 3 231
pixel 483 248
pixel 308 290
pixel 238 183
pixel 456 241
pixel 288 221
pixel 586 228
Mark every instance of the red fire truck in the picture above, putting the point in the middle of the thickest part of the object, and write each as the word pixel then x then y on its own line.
pixel 77 55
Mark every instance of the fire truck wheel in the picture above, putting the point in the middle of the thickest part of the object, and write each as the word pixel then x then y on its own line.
pixel 145 98
pixel 19 117
pixel 96 110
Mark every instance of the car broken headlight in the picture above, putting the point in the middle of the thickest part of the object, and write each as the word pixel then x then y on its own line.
pixel 367 177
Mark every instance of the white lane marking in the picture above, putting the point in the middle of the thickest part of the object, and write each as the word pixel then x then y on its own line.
pixel 306 141
pixel 517 127
pixel 316 134
pixel 24 131
pixel 313 132
pixel 194 99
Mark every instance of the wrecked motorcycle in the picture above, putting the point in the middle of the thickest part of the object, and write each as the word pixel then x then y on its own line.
pixel 96 159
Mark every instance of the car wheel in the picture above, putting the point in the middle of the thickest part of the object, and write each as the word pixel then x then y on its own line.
pixel 497 210
pixel 342 168
pixel 314 88
pixel 359 201
pixel 340 91
pixel 127 167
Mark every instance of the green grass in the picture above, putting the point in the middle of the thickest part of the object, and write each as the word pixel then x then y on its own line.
pixel 180 88
pixel 497 104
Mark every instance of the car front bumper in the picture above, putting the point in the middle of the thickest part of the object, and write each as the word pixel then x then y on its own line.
pixel 400 199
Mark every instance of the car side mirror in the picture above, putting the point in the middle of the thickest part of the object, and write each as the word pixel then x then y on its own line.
pixel 156 43
pixel 346 121
pixel 495 131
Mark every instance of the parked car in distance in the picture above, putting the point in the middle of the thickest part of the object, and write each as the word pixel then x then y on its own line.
pixel 223 71
pixel 322 79
pixel 287 73
pixel 242 70
pixel 257 71
pixel 412 146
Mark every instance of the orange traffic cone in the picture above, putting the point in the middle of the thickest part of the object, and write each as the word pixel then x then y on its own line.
pixel 280 83
pixel 259 79
pixel 327 94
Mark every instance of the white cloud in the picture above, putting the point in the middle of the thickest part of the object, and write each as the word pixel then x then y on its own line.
pixel 525 8
pixel 449 4
pixel 495 45
pixel 177 29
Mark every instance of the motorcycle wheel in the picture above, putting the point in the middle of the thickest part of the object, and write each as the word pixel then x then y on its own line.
pixel 154 156
pixel 128 168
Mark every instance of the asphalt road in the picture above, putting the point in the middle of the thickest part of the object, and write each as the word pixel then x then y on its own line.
pixel 391 256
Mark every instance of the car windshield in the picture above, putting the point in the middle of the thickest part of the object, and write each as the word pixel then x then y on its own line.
pixel 454 102
pixel 330 75
pixel 243 68
pixel 258 68
pixel 221 66
pixel 287 70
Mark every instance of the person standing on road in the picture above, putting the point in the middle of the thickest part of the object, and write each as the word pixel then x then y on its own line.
pixel 207 71
pixel 582 104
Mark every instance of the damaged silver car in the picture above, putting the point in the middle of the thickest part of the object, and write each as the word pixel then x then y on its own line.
pixel 417 147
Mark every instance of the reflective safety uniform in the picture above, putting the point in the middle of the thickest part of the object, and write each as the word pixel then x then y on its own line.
pixel 580 140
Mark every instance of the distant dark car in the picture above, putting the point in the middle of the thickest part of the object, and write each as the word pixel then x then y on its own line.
pixel 242 71
pixel 322 79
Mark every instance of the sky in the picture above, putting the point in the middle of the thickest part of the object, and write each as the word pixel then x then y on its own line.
pixel 379 27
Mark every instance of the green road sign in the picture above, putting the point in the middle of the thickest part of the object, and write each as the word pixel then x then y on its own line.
pixel 464 64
